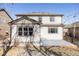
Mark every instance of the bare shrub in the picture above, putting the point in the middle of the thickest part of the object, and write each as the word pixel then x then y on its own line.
pixel 16 43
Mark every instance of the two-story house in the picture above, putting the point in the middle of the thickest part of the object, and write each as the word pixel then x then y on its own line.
pixel 37 28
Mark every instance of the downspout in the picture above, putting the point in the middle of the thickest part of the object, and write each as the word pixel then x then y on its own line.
pixel 74 26
pixel 10 34
pixel 40 35
pixel 40 19
pixel 10 26
pixel 73 33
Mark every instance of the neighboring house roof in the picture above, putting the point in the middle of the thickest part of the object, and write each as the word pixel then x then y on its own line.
pixel 76 24
pixel 72 25
pixel 67 26
pixel 6 13
pixel 39 14
pixel 23 17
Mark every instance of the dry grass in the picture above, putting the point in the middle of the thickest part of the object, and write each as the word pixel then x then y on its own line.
pixel 65 51
pixel 57 50
pixel 2 38
pixel 69 39
pixel 1 51
pixel 14 51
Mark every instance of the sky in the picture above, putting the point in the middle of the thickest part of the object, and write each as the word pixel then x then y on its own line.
pixel 69 10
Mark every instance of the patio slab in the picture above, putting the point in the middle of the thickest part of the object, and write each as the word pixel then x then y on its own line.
pixel 57 43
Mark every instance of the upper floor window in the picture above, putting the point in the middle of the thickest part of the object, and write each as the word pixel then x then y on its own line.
pixel 52 30
pixel 52 19
pixel 40 19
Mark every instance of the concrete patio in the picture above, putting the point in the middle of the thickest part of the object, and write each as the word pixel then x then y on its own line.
pixel 57 43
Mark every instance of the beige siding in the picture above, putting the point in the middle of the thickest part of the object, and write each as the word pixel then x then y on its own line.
pixel 51 36
pixel 24 21
pixel 46 20
pixel 40 32
pixel 4 27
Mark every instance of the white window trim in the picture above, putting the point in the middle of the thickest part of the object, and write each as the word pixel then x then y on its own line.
pixel 49 28
pixel 24 31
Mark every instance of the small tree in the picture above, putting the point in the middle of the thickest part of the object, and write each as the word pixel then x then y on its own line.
pixel 5 42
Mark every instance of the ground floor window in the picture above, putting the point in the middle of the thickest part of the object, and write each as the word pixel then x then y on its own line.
pixel 52 30
pixel 20 31
pixel 25 31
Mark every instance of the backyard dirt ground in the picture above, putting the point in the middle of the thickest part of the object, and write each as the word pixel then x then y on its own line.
pixel 72 40
pixel 14 51
pixel 1 51
pixel 65 51
pixel 31 50
pixel 44 51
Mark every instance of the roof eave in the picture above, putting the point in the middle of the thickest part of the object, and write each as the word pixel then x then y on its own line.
pixel 6 13
pixel 39 15
pixel 13 21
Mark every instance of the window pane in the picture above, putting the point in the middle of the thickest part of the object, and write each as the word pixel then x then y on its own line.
pixel 52 30
pixel 19 33
pixel 25 28
pixel 52 19
pixel 49 30
pixel 30 31
pixel 56 31
pixel 20 29
pixel 25 33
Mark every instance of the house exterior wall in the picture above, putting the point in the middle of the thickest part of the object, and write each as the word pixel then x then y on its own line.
pixel 23 39
pixel 34 17
pixel 24 21
pixel 46 19
pixel 42 32
pixel 4 19
pixel 51 36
